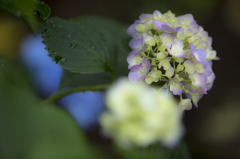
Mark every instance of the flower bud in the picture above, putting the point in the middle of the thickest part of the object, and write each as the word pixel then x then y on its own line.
pixel 185 104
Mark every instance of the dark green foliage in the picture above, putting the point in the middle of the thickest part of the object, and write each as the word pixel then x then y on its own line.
pixel 28 10
pixel 156 151
pixel 42 9
pixel 77 80
pixel 34 129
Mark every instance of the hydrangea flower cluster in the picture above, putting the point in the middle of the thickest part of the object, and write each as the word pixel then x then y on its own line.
pixel 138 115
pixel 172 49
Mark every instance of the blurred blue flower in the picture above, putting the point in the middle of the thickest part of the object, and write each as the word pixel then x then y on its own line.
pixel 84 107
pixel 46 76
pixel 44 73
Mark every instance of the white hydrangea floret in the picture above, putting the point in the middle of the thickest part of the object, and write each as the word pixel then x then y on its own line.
pixel 139 116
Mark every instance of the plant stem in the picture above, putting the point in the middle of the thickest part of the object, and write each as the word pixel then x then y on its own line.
pixel 113 76
pixel 162 87
pixel 58 96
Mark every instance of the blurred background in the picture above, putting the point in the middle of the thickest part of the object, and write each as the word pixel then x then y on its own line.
pixel 212 130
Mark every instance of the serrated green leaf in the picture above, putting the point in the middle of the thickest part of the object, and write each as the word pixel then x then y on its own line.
pixel 85 45
pixel 31 128
pixel 118 31
pixel 26 9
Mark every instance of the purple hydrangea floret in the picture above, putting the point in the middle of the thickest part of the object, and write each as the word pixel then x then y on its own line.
pixel 137 44
pixel 199 55
pixel 175 50
pixel 133 59
pixel 139 72
pixel 175 86
pixel 198 79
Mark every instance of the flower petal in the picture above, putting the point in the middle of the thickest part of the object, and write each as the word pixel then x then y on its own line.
pixel 180 34
pixel 199 55
pixel 134 60
pixel 169 73
pixel 157 15
pixel 210 80
pixel 146 64
pixel 136 68
pixel 135 75
pixel 168 29
pixel 163 26
pixel 202 91
pixel 195 98
pixel 134 52
pixel 175 86
pixel 167 39
pixel 185 104
pixel 137 44
pixel 139 72
pixel 177 49
pixel 145 17
pixel 178 54
pixel 198 79
pixel 194 26
pixel 158 24
pixel 189 66
pixel 131 30
pixel 208 70
pixel 192 48
pixel 187 19
pixel 177 29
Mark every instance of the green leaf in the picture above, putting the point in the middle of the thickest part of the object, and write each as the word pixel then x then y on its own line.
pixel 119 31
pixel 31 128
pixel 156 152
pixel 27 9
pixel 59 36
pixel 84 45
pixel 77 80
pixel 19 8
